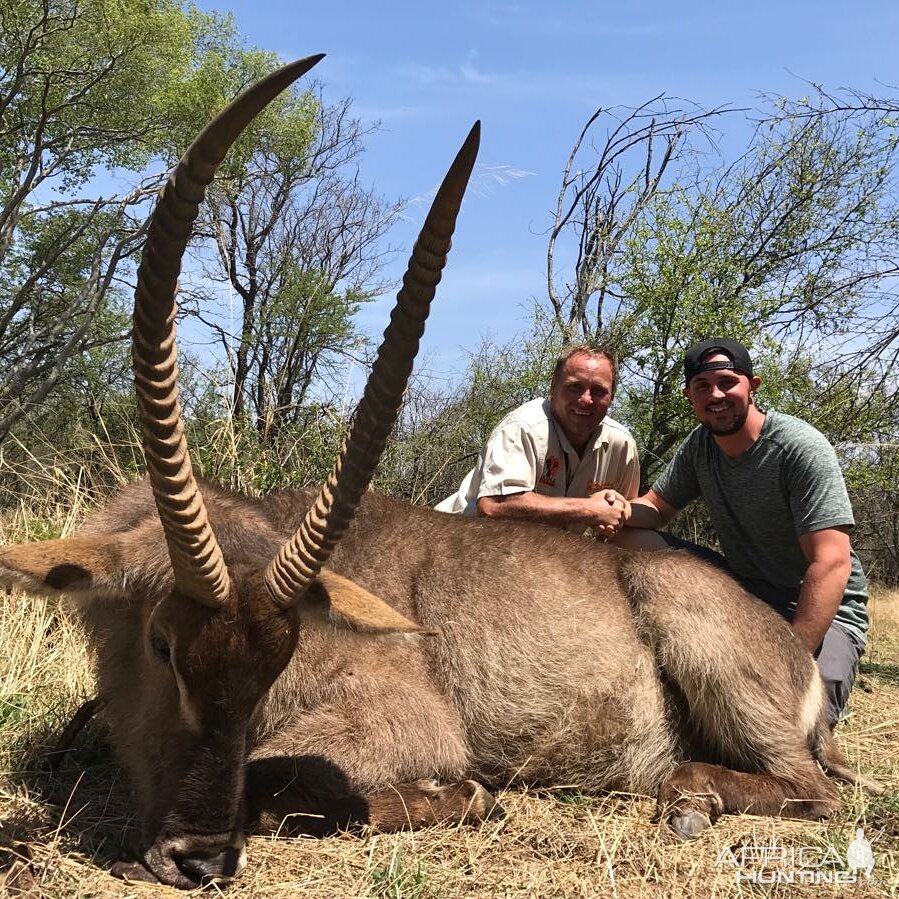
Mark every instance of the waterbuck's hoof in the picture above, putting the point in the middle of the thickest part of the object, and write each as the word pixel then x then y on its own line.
pixel 482 804
pixel 689 824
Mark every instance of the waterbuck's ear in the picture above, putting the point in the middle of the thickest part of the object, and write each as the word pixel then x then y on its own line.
pixel 344 604
pixel 76 567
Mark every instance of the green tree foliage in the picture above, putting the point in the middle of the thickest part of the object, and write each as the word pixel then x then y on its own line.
pixel 97 99
pixel 82 90
pixel 879 115
pixel 872 473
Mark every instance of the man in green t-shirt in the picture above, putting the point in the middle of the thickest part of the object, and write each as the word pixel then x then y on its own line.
pixel 779 505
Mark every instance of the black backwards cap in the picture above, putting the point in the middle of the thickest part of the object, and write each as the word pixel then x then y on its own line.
pixel 738 357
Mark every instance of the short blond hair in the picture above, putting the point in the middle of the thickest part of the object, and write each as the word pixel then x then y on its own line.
pixel 590 348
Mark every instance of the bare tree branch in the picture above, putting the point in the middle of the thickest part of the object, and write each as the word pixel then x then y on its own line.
pixel 598 203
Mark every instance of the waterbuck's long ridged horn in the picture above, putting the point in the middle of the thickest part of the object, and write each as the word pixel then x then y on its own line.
pixel 199 568
pixel 302 557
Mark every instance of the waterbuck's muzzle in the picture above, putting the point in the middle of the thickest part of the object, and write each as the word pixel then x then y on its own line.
pixel 189 861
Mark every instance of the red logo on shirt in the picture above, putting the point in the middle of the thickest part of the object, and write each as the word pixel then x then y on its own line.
pixel 550 470
pixel 595 487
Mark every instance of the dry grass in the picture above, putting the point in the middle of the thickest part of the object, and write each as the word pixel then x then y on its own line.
pixel 68 825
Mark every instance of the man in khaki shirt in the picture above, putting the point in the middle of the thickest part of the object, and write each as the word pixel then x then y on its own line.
pixel 560 461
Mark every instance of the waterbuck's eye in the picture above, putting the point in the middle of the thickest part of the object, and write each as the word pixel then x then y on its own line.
pixel 160 646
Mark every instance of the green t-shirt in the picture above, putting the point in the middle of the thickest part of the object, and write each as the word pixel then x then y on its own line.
pixel 788 483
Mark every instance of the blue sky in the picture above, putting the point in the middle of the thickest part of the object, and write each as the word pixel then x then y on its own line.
pixel 533 73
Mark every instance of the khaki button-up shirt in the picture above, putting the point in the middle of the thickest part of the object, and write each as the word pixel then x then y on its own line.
pixel 528 451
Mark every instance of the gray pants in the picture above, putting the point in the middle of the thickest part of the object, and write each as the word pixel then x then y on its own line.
pixel 837 659
pixel 839 652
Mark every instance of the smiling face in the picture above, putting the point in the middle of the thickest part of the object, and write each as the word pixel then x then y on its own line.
pixel 721 398
pixel 580 396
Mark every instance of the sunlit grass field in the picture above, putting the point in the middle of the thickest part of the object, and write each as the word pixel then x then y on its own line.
pixel 59 831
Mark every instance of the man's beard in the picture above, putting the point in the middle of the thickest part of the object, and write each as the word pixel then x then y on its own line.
pixel 732 428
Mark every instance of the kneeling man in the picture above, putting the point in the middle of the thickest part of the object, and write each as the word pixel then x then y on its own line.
pixel 778 502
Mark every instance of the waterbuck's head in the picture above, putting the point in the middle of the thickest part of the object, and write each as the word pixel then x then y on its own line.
pixel 194 601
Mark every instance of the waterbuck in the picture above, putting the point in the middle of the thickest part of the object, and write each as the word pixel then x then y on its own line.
pixel 279 665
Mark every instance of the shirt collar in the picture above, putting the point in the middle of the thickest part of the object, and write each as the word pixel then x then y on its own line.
pixel 600 436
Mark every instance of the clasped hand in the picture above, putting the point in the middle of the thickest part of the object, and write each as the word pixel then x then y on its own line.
pixel 611 510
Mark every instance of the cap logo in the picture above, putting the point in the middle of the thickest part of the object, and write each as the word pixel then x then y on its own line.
pixel 715 366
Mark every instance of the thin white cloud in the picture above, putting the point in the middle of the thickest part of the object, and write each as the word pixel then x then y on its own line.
pixel 485 181
pixel 471 75
pixel 521 84
pixel 428 75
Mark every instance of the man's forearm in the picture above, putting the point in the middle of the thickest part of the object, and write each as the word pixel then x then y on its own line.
pixel 645 515
pixel 818 601
pixel 559 511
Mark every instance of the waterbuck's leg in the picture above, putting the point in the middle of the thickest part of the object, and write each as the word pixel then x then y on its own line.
pixel 696 793
pixel 292 796
pixel 360 758
pixel 752 694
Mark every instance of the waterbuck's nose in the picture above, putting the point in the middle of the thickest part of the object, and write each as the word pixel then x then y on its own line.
pixel 207 868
